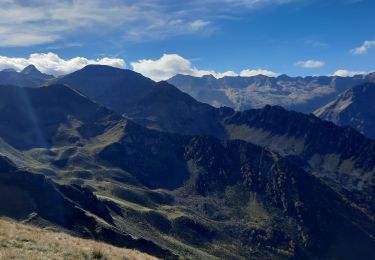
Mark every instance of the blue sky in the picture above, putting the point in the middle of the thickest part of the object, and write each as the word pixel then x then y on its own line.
pixel 296 37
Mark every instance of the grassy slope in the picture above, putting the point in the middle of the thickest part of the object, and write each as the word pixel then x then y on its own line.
pixel 19 241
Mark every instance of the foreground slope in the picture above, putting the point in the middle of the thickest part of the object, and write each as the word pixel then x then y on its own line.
pixel 20 241
pixel 355 107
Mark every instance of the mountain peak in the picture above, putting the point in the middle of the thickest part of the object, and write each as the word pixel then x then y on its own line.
pixel 283 77
pixel 101 67
pixel 209 76
pixel 98 70
pixel 31 70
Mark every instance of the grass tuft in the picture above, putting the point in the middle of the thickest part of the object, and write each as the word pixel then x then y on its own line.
pixel 97 254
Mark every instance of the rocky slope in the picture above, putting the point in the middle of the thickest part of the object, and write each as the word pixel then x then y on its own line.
pixel 339 156
pixel 355 107
pixel 216 169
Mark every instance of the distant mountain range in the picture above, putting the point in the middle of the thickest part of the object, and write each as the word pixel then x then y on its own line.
pixel 117 157
pixel 304 94
pixel 355 107
pixel 30 76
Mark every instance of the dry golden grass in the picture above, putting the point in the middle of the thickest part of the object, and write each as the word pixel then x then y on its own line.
pixel 19 241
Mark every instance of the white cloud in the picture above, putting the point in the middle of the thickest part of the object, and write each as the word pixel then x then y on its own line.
pixel 51 63
pixel 348 73
pixel 249 3
pixel 171 64
pixel 250 73
pixel 33 22
pixel 198 25
pixel 363 49
pixel 310 64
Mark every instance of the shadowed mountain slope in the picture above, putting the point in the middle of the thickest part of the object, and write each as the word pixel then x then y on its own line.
pixel 340 156
pixel 112 87
pixel 156 105
pixel 55 115
pixel 355 107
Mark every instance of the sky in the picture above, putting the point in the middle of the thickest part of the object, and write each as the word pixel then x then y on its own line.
pixel 160 38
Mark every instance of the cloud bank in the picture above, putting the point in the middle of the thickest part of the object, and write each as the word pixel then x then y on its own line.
pixel 51 63
pixel 171 64
pixel 163 68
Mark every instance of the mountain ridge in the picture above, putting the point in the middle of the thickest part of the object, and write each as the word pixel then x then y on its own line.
pixel 304 94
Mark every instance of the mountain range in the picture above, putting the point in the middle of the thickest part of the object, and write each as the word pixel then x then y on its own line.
pixel 30 76
pixel 108 154
pixel 303 94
